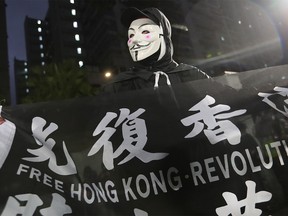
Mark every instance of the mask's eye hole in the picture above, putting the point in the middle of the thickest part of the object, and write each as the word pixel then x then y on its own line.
pixel 145 32
pixel 131 35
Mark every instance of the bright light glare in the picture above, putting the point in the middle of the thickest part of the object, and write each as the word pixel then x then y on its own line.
pixel 108 74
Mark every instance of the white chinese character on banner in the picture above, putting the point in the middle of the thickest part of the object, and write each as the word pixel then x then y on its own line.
pixel 218 128
pixel 134 134
pixel 139 212
pixel 234 205
pixel 45 152
pixel 58 207
pixel 14 205
pixel 268 98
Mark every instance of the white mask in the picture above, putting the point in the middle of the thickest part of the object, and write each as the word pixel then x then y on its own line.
pixel 144 39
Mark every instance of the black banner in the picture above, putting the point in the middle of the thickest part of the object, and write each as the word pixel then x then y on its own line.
pixel 208 147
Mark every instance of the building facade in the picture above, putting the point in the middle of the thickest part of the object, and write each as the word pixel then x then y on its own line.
pixel 64 37
pixel 21 78
pixel 35 37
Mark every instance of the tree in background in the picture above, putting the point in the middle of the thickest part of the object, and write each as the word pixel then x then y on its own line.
pixel 57 81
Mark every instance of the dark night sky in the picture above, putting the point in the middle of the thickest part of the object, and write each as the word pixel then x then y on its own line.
pixel 16 11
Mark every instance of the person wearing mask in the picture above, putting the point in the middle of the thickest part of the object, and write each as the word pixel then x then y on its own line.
pixel 150 46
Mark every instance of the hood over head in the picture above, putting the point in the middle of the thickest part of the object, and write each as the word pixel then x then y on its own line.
pixel 159 18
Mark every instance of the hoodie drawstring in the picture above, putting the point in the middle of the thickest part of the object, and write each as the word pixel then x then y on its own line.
pixel 157 76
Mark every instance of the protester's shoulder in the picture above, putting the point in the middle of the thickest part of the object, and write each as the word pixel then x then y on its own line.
pixel 118 81
pixel 123 76
pixel 182 67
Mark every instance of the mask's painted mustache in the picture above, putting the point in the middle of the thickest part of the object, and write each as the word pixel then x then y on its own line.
pixel 137 46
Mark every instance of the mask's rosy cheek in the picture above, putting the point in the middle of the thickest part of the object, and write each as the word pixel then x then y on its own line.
pixel 148 36
pixel 130 41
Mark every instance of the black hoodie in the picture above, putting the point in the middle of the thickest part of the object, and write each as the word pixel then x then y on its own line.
pixel 142 75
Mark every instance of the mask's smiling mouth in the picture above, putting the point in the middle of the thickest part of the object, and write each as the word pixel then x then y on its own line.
pixel 138 47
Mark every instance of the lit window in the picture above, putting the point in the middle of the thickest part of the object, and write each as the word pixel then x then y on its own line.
pixel 72 1
pixel 25 69
pixel 26 76
pixel 75 24
pixel 25 63
pixel 73 12
pixel 42 55
pixel 77 37
pixel 40 38
pixel 41 46
pixel 80 63
pixel 39 29
pixel 79 50
pixel 27 90
pixel 42 63
pixel 39 22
